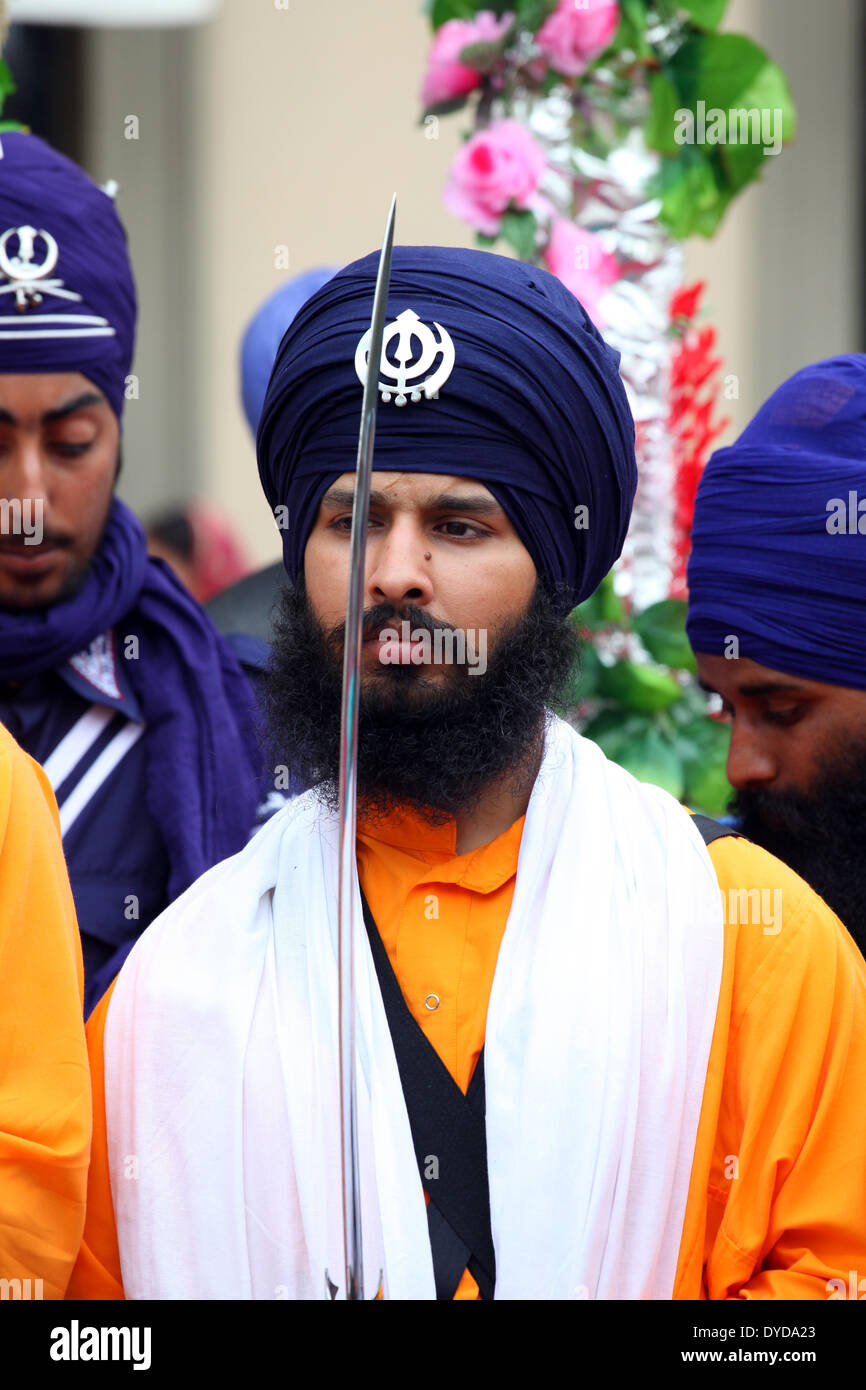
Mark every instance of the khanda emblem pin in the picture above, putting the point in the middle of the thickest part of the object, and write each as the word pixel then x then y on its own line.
pixel 27 276
pixel 416 349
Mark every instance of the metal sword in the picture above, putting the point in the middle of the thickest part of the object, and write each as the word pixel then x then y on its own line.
pixel 348 786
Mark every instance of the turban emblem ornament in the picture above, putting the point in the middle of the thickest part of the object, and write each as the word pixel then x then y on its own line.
pixel 402 366
pixel 27 277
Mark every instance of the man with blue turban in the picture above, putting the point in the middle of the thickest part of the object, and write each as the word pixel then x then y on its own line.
pixel 777 585
pixel 559 1045
pixel 111 676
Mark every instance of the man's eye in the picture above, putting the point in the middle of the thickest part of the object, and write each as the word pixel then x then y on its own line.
pixel 69 451
pixel 461 530
pixel 784 716
pixel 344 523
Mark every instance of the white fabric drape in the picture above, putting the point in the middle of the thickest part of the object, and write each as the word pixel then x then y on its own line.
pixel 221 1062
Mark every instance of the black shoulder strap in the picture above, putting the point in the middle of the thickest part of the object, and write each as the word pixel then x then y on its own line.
pixel 449 1137
pixel 712 830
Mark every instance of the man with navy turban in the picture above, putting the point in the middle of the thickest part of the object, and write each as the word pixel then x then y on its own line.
pixel 777 618
pixel 110 674
pixel 559 1045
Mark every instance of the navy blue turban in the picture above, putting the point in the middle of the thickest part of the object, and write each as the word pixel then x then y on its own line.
pixel 85 320
pixel 778 541
pixel 534 407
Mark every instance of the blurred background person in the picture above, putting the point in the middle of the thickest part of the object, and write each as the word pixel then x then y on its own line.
pixel 200 544
pixel 777 620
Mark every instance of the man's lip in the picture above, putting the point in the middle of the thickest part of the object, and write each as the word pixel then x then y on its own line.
pixel 28 559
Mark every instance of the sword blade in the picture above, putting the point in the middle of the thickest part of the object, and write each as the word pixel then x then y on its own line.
pixel 348 778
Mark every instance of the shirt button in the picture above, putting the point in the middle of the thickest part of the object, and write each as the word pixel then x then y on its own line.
pixel 431 1002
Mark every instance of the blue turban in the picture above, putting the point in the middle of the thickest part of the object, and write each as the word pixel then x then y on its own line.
pixel 265 331
pixel 534 407
pixel 778 544
pixel 85 321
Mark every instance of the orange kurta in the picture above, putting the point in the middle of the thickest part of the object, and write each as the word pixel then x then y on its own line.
pixel 45 1108
pixel 777 1202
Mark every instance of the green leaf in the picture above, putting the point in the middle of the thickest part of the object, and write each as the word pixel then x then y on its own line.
pixel 707 788
pixel 638 687
pixel 693 191
pixel 443 10
pixel 632 27
pixel 532 13
pixel 443 108
pixel 483 57
pixel 662 629
pixel 652 759
pixel 485 241
pixel 612 730
pixel 661 123
pixel 743 94
pixel 601 608
pixel 518 229
pixel 769 95
pixel 7 87
pixel 703 746
pixel 707 14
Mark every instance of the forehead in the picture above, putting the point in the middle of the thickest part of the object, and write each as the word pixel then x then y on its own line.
pixel 34 393
pixel 412 490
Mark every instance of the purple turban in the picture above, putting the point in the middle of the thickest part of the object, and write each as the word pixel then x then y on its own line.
pixel 533 407
pixel 67 296
pixel 779 533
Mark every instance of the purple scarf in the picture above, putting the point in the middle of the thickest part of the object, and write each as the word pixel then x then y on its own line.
pixel 202 758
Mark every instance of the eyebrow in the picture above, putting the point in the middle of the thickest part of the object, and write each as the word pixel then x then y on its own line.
pixel 59 412
pixel 479 503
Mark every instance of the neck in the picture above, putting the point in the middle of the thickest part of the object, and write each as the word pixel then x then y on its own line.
pixel 498 808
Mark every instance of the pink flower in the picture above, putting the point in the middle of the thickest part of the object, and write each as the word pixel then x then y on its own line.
pixel 498 167
pixel 576 32
pixel 446 76
pixel 580 261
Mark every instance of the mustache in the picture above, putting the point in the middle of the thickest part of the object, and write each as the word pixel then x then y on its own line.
pixel 787 813
pixel 385 615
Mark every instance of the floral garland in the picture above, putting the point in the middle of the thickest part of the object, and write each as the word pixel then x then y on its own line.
pixel 604 133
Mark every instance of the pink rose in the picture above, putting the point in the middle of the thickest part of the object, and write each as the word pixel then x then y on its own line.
pixel 498 167
pixel 576 32
pixel 580 261
pixel 446 76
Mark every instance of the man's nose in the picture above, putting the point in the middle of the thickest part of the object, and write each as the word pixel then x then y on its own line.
pixel 397 570
pixel 750 763
pixel 24 474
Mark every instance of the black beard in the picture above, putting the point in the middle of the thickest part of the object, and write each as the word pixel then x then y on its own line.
pixel 821 835
pixel 432 746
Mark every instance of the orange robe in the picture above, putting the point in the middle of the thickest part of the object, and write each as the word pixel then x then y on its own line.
pixel 45 1106
pixel 777 1200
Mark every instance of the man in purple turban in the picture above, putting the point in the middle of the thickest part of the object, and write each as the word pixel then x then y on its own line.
pixel 553 1029
pixel 777 618
pixel 111 676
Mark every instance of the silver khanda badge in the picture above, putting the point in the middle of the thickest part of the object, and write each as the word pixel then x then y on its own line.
pixel 27 276
pixel 404 363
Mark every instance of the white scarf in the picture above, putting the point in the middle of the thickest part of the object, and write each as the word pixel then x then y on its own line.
pixel 221 1062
